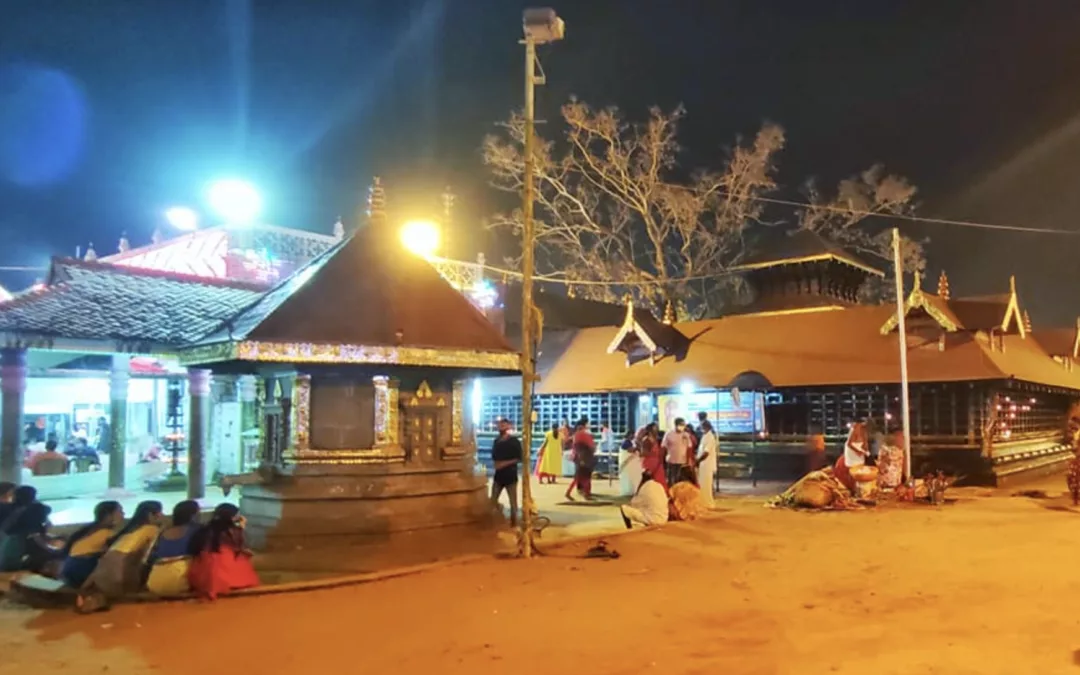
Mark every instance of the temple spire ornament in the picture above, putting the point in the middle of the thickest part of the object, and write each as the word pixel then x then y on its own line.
pixel 339 229
pixel 156 237
pixel 943 286
pixel 669 314
pixel 1027 321
pixel 124 246
pixel 917 285
pixel 376 202
pixel 91 254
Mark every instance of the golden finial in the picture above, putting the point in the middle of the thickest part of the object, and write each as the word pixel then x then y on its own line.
pixel 943 286
pixel 1012 284
pixel 669 313
pixel 917 286
pixel 1027 322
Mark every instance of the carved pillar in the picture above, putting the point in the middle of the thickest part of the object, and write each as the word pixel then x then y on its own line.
pixel 119 379
pixel 458 418
pixel 198 430
pixel 13 391
pixel 386 413
pixel 247 394
pixel 301 414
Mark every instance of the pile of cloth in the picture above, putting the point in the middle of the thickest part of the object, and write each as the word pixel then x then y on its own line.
pixel 816 490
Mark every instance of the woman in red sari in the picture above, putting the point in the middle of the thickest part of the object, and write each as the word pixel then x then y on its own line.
pixel 220 561
pixel 652 454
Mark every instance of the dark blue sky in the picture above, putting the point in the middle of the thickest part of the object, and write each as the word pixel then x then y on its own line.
pixel 125 108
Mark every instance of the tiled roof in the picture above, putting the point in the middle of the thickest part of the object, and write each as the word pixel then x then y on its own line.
pixel 366 291
pixel 816 348
pixel 800 246
pixel 100 301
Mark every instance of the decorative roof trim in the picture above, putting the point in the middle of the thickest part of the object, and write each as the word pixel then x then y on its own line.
pixel 1076 340
pixel 806 259
pixel 918 300
pixel 630 325
pixel 52 343
pixel 306 352
pixel 1013 313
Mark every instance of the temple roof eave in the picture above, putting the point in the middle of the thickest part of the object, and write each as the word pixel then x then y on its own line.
pixel 108 345
pixel 349 354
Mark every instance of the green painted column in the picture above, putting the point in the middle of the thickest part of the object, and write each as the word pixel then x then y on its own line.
pixel 198 431
pixel 12 391
pixel 119 378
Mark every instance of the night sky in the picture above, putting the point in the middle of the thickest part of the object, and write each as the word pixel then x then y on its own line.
pixel 113 110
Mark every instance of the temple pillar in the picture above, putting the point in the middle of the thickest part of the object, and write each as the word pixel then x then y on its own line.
pixel 247 394
pixel 198 430
pixel 119 378
pixel 13 391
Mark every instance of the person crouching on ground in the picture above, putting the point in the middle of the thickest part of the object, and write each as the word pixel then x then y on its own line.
pixel 120 570
pixel 506 454
pixel 221 562
pixel 84 548
pixel 26 544
pixel 169 559
pixel 649 506
pixel 685 496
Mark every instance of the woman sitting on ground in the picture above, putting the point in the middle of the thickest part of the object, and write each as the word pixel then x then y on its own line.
pixel 686 496
pixel 120 570
pixel 649 505
pixel 221 562
pixel 169 559
pixel 25 544
pixel 85 547
pixel 7 500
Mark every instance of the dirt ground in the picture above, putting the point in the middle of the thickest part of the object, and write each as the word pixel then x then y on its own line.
pixel 985 585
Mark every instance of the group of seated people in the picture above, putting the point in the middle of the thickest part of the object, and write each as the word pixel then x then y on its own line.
pixel 110 558
pixel 653 505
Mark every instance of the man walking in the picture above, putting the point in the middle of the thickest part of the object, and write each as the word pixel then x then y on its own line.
pixel 506 454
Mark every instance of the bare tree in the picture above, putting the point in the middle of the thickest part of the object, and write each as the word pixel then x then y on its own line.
pixel 613 206
pixel 852 220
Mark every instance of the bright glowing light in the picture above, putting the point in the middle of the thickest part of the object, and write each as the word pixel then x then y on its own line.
pixel 421 237
pixel 686 388
pixel 182 218
pixel 237 201
pixel 477 402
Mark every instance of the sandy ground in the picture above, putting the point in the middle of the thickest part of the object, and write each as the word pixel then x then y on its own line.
pixel 985 585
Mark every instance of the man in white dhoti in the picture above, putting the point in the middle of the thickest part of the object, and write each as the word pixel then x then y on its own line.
pixel 648 507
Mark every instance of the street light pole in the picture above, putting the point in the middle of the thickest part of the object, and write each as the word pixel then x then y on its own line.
pixel 540 26
pixel 901 329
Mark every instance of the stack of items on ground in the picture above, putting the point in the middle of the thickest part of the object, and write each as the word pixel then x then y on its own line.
pixel 853 481
pixel 110 559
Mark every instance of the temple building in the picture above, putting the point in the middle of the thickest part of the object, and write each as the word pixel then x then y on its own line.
pixel 331 363
pixel 989 395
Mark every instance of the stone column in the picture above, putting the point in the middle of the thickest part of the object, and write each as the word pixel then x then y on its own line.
pixel 198 428
pixel 12 390
pixel 119 378
pixel 247 394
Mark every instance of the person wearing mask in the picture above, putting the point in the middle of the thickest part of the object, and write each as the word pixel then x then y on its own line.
pixel 170 558
pixel 649 505
pixel 652 454
pixel 84 548
pixel 506 454
pixel 706 463
pixel 677 449
pixel 630 470
pixel 584 454
pixel 220 559
pixel 120 570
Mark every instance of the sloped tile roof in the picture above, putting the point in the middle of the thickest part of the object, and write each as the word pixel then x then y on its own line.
pixel 101 301
pixel 801 246
pixel 835 347
pixel 366 291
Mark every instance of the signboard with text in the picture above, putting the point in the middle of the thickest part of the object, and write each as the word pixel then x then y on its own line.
pixel 729 411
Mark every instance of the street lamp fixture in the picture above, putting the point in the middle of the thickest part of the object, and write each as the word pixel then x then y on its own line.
pixel 237 201
pixel 543 25
pixel 421 237
pixel 182 218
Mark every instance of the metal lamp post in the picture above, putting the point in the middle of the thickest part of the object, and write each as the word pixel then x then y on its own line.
pixel 541 26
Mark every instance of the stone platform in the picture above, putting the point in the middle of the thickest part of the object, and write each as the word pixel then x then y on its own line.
pixel 322 505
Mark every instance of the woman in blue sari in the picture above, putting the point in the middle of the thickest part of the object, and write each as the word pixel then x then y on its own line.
pixel 169 559
pixel 119 572
pixel 85 547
